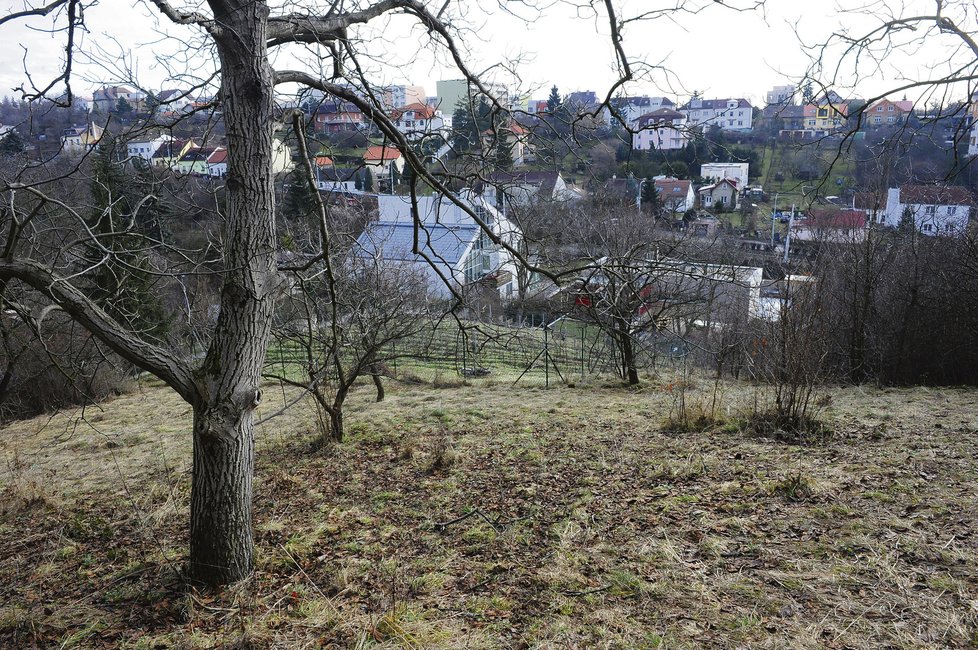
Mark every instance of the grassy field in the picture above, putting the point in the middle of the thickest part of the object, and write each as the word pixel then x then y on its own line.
pixel 588 526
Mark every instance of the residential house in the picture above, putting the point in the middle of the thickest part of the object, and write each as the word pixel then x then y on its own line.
pixel 524 188
pixel 872 204
pixel 934 209
pixel 146 147
pixel 194 161
pixel 453 248
pixel 337 179
pixel 339 117
pixel 417 121
pixel 721 193
pixel 630 109
pixel 789 120
pixel 79 139
pixel 887 113
pixel 780 95
pixel 106 99
pixel 514 136
pixel 663 130
pixel 738 172
pixel 831 226
pixel 174 101
pixel 675 195
pixel 380 161
pixel 826 118
pixel 728 114
pixel 217 163
pixel 171 151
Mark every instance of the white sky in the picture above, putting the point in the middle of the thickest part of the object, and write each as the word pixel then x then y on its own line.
pixel 717 51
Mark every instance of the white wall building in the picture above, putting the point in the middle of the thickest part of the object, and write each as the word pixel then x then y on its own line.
pixel 780 95
pixel 728 114
pixel 936 210
pixel 146 148
pixel 719 171
pixel 663 130
pixel 456 247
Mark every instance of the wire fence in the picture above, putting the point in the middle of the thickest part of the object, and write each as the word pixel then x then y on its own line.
pixel 562 351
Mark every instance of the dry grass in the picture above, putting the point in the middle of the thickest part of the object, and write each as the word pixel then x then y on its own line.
pixel 594 528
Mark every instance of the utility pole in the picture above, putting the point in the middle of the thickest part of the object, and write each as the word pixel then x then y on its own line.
pixel 787 239
pixel 774 216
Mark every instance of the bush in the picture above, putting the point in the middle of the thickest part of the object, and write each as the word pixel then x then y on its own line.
pixel 65 367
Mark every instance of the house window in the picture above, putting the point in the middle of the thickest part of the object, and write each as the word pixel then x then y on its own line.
pixel 879 109
pixel 889 108
pixel 951 210
pixel 930 209
pixel 927 227
pixel 877 120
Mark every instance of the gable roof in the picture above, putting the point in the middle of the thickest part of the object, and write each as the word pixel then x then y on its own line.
pixel 444 244
pixel 381 153
pixel 674 187
pixel 544 180
pixel 421 111
pixel 219 156
pixel 199 153
pixel 936 195
pixel 323 161
pixel 870 201
pixel 660 115
pixel 709 188
pixel 826 218
pixel 171 148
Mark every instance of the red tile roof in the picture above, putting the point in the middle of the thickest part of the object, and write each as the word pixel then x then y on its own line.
pixel 379 153
pixel 421 111
pixel 833 219
pixel 935 195
pixel 323 161
pixel 671 187
pixel 220 155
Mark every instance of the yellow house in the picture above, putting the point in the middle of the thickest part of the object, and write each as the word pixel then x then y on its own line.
pixel 826 118
pixel 79 139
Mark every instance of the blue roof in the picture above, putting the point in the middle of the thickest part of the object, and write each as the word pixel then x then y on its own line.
pixel 445 245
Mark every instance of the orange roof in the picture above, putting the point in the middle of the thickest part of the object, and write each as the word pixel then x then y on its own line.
pixel 381 154
pixel 323 161
pixel 421 111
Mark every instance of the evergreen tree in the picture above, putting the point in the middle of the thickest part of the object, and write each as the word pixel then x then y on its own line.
pixel 650 197
pixel 120 282
pixel 368 181
pixel 123 107
pixel 11 144
pixel 553 101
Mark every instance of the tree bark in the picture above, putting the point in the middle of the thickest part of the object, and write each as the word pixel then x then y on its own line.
pixel 221 541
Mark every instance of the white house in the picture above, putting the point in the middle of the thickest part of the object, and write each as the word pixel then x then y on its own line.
pixel 723 192
pixel 728 114
pixel 145 148
pixel 217 163
pixel 663 130
pixel 632 108
pixel 523 188
pixel 453 248
pixel 674 194
pixel 718 171
pixel 174 101
pixel 416 121
pixel 935 209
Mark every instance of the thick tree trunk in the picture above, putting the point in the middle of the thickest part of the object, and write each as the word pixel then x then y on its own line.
pixel 221 544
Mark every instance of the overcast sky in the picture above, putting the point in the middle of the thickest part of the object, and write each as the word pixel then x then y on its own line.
pixel 718 51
